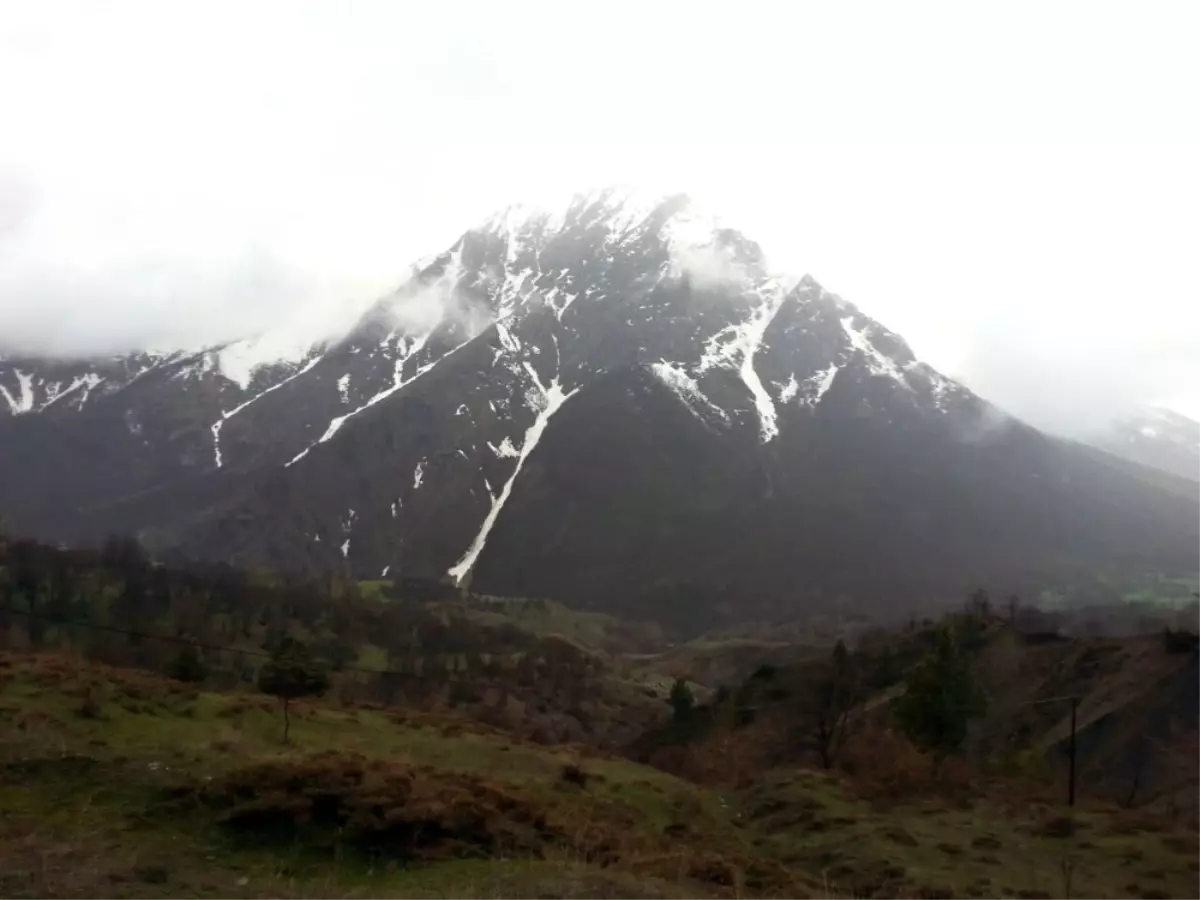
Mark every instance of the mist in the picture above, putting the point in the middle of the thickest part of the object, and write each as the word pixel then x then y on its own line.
pixel 1077 390
pixel 1029 230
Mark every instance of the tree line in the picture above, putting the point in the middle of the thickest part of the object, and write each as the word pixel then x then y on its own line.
pixel 291 636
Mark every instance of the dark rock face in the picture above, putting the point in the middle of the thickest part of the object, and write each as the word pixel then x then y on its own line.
pixel 619 406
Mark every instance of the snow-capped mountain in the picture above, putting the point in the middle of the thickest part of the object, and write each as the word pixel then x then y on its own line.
pixel 616 403
pixel 1156 437
pixel 36 385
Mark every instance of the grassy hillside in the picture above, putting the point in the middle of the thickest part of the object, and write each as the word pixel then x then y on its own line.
pixel 116 782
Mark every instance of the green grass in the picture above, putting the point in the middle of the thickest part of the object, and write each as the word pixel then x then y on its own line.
pixel 978 847
pixel 88 789
pixel 85 786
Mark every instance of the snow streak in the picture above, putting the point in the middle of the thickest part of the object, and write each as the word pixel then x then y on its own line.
pixel 87 382
pixel 398 382
pixel 742 342
pixel 876 361
pixel 552 399
pixel 215 428
pixel 686 389
pixel 788 391
pixel 506 448
pixel 24 403
pixel 817 384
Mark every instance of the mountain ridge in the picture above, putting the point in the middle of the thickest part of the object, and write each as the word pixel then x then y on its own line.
pixel 723 393
pixel 1156 437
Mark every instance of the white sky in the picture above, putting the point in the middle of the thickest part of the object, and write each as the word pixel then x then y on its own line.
pixel 1012 186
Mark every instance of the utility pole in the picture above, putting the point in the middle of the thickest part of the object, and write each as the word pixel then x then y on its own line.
pixel 1071 786
pixel 1070 744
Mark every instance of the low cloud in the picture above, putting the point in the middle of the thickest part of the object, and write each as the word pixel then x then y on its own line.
pixel 164 303
pixel 1075 388
pixel 16 205
pixel 424 302
pixel 706 266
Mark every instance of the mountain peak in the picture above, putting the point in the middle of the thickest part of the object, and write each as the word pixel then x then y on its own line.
pixel 621 205
pixel 614 397
pixel 621 212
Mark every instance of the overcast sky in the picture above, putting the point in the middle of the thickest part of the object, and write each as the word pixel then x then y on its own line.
pixel 1013 186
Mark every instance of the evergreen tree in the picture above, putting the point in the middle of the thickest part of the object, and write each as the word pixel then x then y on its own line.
pixel 941 698
pixel 682 701
pixel 187 665
pixel 290 673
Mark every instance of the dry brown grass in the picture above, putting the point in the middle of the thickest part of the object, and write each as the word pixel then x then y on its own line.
pixel 35 865
pixel 390 810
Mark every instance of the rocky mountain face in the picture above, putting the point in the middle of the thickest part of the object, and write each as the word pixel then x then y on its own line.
pixel 1156 437
pixel 616 405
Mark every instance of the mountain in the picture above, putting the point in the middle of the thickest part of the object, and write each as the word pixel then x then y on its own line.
pixel 1156 437
pixel 617 404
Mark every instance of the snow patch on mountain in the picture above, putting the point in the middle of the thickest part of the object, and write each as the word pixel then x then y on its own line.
pixel 23 402
pixel 817 384
pixel 409 348
pixel 551 399
pixel 215 428
pixel 13 406
pixel 787 392
pixel 87 382
pixel 736 346
pixel 876 361
pixel 239 361
pixel 686 388
pixel 506 448
pixel 940 388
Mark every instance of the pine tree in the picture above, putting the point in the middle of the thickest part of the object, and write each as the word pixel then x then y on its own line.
pixel 940 700
pixel 187 666
pixel 290 673
pixel 682 700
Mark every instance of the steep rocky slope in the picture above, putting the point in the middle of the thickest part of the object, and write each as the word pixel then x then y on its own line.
pixel 617 404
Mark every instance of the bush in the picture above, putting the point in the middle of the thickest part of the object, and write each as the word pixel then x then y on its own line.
pixel 376 806
pixel 573 774
pixel 186 666
pixel 682 699
pixel 885 764
pixel 765 672
pixel 1180 640
pixel 335 802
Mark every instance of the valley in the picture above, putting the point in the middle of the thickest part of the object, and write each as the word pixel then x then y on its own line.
pixel 545 450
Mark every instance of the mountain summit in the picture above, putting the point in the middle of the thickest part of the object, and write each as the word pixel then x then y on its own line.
pixel 616 403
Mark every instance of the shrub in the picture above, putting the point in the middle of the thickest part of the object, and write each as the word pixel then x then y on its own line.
pixel 1180 640
pixel 765 672
pixel 186 665
pixel 885 764
pixel 573 774
pixel 682 700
